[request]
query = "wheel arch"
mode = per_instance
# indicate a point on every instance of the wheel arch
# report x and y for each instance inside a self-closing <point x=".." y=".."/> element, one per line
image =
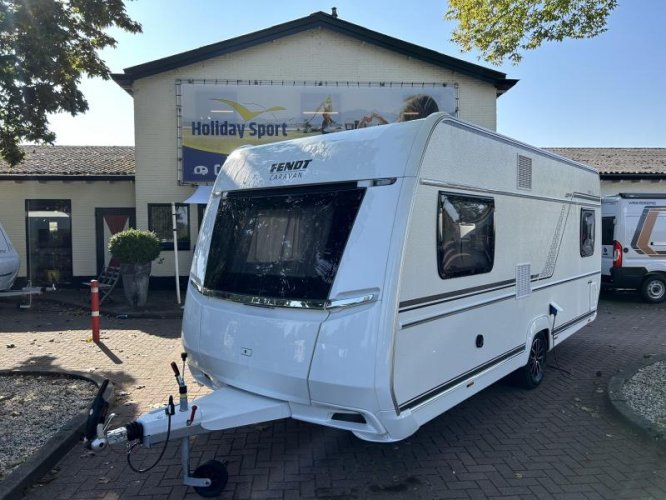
<point x="540" y="324"/>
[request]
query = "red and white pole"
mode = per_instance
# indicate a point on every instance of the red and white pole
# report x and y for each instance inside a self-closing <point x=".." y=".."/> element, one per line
<point x="94" y="309"/>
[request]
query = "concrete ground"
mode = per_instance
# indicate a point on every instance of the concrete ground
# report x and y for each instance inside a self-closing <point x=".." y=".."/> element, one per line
<point x="561" y="440"/>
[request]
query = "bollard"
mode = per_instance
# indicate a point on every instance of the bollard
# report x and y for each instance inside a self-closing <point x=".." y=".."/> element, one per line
<point x="94" y="309"/>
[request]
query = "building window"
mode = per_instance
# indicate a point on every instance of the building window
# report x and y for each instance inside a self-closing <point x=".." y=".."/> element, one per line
<point x="586" y="232"/>
<point x="466" y="235"/>
<point x="159" y="221"/>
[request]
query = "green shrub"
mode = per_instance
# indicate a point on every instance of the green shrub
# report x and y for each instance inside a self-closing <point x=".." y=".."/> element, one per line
<point x="134" y="246"/>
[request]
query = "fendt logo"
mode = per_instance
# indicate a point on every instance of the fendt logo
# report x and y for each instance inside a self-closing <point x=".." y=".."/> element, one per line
<point x="288" y="170"/>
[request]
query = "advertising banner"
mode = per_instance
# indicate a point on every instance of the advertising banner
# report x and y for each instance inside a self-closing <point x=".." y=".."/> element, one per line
<point x="216" y="118"/>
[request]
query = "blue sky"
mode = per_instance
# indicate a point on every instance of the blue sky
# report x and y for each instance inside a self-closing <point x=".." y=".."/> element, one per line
<point x="609" y="91"/>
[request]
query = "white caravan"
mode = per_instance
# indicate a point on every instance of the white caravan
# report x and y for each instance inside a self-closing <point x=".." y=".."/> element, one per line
<point x="634" y="243"/>
<point x="9" y="261"/>
<point x="370" y="280"/>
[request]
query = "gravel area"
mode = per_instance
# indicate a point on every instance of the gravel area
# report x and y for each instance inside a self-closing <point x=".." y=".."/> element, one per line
<point x="646" y="393"/>
<point x="32" y="410"/>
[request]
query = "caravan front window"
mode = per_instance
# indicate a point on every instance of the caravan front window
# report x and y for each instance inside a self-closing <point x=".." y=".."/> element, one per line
<point x="466" y="235"/>
<point x="283" y="244"/>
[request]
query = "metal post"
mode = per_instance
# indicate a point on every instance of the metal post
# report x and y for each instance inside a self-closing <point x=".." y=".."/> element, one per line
<point x="94" y="309"/>
<point x="175" y="249"/>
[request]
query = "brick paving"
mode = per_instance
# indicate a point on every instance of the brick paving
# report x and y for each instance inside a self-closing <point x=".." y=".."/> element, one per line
<point x="559" y="441"/>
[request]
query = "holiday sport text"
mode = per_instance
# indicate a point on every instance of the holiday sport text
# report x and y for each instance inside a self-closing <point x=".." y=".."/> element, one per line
<point x="253" y="129"/>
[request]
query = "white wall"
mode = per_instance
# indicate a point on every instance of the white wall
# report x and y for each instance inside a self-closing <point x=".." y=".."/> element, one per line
<point x="640" y="186"/>
<point x="85" y="196"/>
<point x="313" y="55"/>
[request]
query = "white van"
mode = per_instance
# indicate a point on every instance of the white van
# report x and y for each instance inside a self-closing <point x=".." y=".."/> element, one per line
<point x="9" y="261"/>
<point x="371" y="280"/>
<point x="634" y="243"/>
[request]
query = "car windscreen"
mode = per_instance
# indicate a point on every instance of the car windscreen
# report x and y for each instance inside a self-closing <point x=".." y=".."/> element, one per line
<point x="283" y="244"/>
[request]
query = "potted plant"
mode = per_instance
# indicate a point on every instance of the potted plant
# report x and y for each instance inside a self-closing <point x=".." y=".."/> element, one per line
<point x="135" y="249"/>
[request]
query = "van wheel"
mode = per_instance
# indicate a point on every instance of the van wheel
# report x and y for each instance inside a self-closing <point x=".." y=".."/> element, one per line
<point x="531" y="375"/>
<point x="654" y="289"/>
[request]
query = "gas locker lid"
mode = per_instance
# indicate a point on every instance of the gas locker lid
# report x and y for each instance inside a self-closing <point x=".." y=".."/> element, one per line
<point x="273" y="258"/>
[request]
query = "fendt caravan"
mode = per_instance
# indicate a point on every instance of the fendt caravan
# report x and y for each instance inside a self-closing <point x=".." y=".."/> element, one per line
<point x="370" y="280"/>
<point x="634" y="243"/>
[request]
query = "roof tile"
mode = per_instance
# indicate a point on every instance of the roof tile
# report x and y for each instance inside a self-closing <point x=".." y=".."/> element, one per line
<point x="75" y="161"/>
<point x="618" y="160"/>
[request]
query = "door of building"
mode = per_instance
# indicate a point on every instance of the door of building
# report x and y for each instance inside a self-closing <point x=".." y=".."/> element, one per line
<point x="49" y="241"/>
<point x="109" y="221"/>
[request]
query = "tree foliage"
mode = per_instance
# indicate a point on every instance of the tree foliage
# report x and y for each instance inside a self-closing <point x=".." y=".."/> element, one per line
<point x="46" y="46"/>
<point x="501" y="29"/>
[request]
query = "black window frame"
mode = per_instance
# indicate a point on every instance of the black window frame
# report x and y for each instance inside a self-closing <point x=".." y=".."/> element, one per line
<point x="587" y="232"/>
<point x="167" y="243"/>
<point x="475" y="267"/>
<point x="277" y="287"/>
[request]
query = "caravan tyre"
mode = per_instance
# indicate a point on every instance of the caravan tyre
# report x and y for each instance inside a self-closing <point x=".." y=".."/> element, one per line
<point x="654" y="289"/>
<point x="532" y="373"/>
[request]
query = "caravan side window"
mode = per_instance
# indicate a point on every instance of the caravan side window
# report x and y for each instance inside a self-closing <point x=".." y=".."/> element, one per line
<point x="465" y="235"/>
<point x="586" y="232"/>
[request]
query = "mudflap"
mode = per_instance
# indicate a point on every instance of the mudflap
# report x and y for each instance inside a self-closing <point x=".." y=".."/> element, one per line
<point x="224" y="408"/>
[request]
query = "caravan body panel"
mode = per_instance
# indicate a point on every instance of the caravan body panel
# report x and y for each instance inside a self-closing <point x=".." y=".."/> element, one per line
<point x="471" y="323"/>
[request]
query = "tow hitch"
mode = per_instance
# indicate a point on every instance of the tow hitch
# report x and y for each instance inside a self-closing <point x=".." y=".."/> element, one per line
<point x="208" y="480"/>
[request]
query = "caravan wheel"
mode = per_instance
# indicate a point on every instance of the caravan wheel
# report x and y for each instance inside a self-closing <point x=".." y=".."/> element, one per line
<point x="218" y="475"/>
<point x="654" y="289"/>
<point x="532" y="373"/>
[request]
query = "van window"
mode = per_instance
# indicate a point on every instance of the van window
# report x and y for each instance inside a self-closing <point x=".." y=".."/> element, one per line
<point x="607" y="230"/>
<point x="466" y="235"/>
<point x="281" y="244"/>
<point x="586" y="232"/>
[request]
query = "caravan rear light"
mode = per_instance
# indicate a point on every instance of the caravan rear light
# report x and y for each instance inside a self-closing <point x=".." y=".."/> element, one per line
<point x="617" y="254"/>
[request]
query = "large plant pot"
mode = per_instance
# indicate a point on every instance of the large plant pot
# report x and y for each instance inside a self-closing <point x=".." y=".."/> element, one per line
<point x="136" y="278"/>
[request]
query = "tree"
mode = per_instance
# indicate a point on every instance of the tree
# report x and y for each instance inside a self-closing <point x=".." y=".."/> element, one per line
<point x="502" y="28"/>
<point x="46" y="46"/>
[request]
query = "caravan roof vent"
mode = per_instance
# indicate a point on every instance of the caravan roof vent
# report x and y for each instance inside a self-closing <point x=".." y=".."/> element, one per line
<point x="524" y="172"/>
